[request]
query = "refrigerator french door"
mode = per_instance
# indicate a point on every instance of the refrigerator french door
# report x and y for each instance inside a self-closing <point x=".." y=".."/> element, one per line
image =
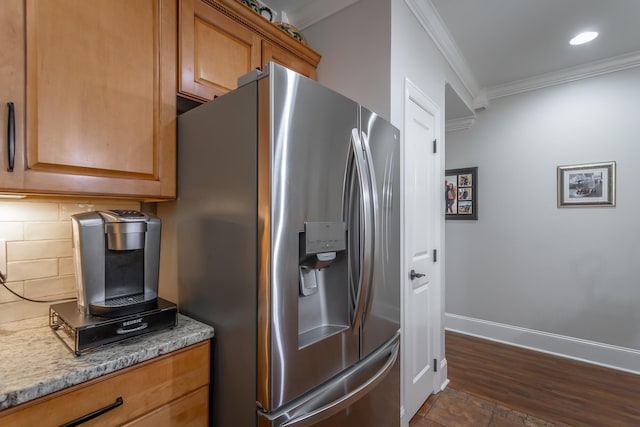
<point x="288" y="244"/>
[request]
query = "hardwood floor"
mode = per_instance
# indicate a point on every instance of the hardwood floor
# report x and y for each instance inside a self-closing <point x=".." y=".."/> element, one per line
<point x="493" y="384"/>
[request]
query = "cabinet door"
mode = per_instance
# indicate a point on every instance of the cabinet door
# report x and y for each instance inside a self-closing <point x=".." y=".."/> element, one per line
<point x="191" y="410"/>
<point x="99" y="114"/>
<point x="285" y="58"/>
<point x="11" y="90"/>
<point x="159" y="384"/>
<point x="214" y="51"/>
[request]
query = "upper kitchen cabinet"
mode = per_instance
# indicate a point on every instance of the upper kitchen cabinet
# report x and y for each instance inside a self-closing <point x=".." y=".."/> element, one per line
<point x="272" y="52"/>
<point x="93" y="88"/>
<point x="220" y="40"/>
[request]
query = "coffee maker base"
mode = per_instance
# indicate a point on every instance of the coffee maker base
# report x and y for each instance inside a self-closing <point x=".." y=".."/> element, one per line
<point x="82" y="333"/>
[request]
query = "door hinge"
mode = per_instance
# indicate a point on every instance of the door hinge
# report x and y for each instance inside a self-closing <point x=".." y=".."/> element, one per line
<point x="435" y="146"/>
<point x="435" y="365"/>
<point x="435" y="255"/>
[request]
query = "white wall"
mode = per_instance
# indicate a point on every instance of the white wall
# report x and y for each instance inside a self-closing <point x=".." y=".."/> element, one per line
<point x="527" y="263"/>
<point x="415" y="57"/>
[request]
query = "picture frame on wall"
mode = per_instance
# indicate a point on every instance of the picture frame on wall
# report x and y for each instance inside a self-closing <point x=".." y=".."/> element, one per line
<point x="587" y="185"/>
<point x="461" y="193"/>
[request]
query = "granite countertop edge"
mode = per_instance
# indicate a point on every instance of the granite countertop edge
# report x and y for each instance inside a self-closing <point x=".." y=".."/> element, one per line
<point x="40" y="364"/>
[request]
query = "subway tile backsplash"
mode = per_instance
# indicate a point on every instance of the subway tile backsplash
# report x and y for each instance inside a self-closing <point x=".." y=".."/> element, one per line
<point x="36" y="235"/>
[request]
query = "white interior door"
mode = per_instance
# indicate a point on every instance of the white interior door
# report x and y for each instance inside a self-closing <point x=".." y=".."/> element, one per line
<point x="421" y="290"/>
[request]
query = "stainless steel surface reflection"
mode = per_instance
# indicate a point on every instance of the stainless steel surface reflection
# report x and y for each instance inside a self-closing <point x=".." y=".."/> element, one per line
<point x="310" y="131"/>
<point x="288" y="243"/>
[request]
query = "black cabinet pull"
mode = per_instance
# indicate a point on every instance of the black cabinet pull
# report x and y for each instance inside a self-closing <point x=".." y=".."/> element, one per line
<point x="94" y="414"/>
<point x="11" y="136"/>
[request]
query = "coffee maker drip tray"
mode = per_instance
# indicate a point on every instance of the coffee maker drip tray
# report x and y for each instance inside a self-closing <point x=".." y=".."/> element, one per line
<point x="118" y="307"/>
<point x="82" y="333"/>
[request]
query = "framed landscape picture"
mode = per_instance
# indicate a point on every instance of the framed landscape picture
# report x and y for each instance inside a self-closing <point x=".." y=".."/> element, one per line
<point x="587" y="185"/>
<point x="461" y="193"/>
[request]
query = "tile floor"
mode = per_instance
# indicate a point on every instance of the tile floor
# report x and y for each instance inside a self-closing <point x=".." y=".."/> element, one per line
<point x="453" y="408"/>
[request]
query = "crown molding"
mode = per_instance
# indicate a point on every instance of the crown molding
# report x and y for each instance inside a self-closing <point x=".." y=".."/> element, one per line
<point x="431" y="21"/>
<point x="462" y="123"/>
<point x="593" y="69"/>
<point x="316" y="11"/>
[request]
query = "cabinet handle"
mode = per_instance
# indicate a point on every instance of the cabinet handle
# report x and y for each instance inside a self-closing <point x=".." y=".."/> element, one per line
<point x="11" y="136"/>
<point x="121" y="331"/>
<point x="83" y="419"/>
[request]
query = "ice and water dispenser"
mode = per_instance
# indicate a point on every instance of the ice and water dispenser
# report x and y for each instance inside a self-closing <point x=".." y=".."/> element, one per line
<point x="323" y="279"/>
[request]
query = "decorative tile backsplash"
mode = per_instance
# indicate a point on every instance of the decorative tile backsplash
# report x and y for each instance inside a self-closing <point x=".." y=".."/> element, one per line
<point x="35" y="240"/>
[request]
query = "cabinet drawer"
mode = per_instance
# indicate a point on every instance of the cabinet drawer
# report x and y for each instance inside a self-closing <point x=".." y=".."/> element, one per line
<point x="143" y="388"/>
<point x="188" y="411"/>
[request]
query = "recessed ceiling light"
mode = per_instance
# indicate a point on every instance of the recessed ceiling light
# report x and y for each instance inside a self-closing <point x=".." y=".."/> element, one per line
<point x="583" y="38"/>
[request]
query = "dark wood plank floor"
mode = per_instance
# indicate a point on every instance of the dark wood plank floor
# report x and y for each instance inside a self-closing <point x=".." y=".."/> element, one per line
<point x="542" y="385"/>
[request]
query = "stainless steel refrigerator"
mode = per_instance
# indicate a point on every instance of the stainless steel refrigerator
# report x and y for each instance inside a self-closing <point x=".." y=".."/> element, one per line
<point x="288" y="223"/>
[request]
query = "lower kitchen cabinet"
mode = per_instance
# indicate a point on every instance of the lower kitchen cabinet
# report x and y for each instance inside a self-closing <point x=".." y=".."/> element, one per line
<point x="188" y="411"/>
<point x="170" y="390"/>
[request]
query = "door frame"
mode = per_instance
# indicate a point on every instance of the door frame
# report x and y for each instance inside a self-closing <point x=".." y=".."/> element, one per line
<point x="412" y="93"/>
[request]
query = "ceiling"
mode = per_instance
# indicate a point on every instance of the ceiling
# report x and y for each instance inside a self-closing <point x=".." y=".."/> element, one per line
<point x="501" y="44"/>
<point x="505" y="41"/>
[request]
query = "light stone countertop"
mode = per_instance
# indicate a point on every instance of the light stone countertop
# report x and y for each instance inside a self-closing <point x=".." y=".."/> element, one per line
<point x="34" y="361"/>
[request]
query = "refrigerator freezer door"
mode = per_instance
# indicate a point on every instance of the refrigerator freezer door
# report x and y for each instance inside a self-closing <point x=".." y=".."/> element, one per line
<point x="217" y="243"/>
<point x="367" y="394"/>
<point x="382" y="313"/>
<point x="304" y="329"/>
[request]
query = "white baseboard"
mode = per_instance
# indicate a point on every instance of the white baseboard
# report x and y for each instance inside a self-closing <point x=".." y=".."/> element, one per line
<point x="443" y="364"/>
<point x="610" y="356"/>
<point x="442" y="375"/>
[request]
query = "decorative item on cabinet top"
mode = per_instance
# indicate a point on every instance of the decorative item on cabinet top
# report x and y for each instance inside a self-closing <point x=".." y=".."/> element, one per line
<point x="263" y="11"/>
<point x="267" y="14"/>
<point x="251" y="4"/>
<point x="292" y="31"/>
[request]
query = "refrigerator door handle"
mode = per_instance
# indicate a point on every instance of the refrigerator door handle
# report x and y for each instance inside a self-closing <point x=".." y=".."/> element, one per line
<point x="374" y="217"/>
<point x="325" y="411"/>
<point x="366" y="267"/>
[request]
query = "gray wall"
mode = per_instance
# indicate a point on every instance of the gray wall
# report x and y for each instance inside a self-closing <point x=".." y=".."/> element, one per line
<point x="527" y="263"/>
<point x="355" y="48"/>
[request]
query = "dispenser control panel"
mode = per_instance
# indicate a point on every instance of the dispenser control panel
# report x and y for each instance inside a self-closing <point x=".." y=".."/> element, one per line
<point x="324" y="237"/>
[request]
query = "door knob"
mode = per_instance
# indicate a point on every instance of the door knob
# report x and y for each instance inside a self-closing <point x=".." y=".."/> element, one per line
<point x="414" y="275"/>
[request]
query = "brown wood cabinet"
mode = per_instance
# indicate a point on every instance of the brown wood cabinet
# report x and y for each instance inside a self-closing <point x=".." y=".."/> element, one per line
<point x="93" y="86"/>
<point x="220" y="40"/>
<point x="170" y="390"/>
<point x="275" y="53"/>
